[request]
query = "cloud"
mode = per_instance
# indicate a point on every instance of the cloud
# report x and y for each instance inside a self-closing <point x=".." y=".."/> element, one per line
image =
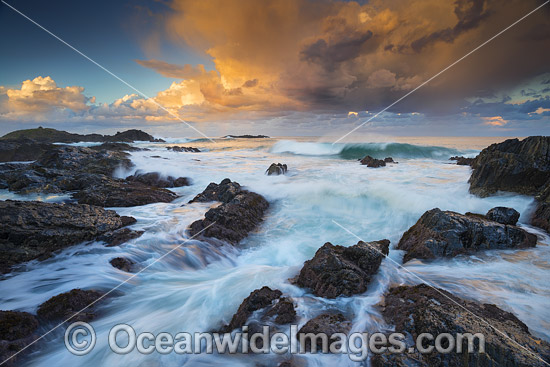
<point x="494" y="121"/>
<point x="168" y="70"/>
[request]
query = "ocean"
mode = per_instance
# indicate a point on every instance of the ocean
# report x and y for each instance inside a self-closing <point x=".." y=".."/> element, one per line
<point x="199" y="286"/>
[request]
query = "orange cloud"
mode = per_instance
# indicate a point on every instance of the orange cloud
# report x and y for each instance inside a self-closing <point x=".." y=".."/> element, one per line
<point x="494" y="121"/>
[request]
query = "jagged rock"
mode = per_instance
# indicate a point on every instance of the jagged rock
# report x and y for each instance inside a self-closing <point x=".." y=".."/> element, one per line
<point x="372" y="162"/>
<point x="446" y="234"/>
<point x="503" y="215"/>
<point x="65" y="305"/>
<point x="258" y="299"/>
<point x="122" y="263"/>
<point x="513" y="165"/>
<point x="156" y="180"/>
<point x="342" y="271"/>
<point x="283" y="311"/>
<point x="33" y="230"/>
<point x="124" y="147"/>
<point x="16" y="332"/>
<point x="389" y="160"/>
<point x="241" y="211"/>
<point x="22" y="150"/>
<point x="327" y="324"/>
<point x="176" y="148"/>
<point x="462" y="161"/>
<point x="118" y="237"/>
<point x="418" y="309"/>
<point x="276" y="169"/>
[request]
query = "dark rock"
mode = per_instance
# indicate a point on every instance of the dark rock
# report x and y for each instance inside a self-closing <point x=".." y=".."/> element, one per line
<point x="118" y="237"/>
<point x="47" y="135"/>
<point x="276" y="169"/>
<point x="342" y="271"/>
<point x="16" y="332"/>
<point x="241" y="211"/>
<point x="124" y="147"/>
<point x="389" y="160"/>
<point x="503" y="215"/>
<point x="122" y="263"/>
<point x="417" y="309"/>
<point x="247" y="136"/>
<point x="372" y="162"/>
<point x="154" y="179"/>
<point x="131" y="136"/>
<point x="446" y="234"/>
<point x="176" y="148"/>
<point x="327" y="324"/>
<point x="513" y="165"/>
<point x="67" y="304"/>
<point x="462" y="161"/>
<point x="283" y="311"/>
<point x="22" y="150"/>
<point x="33" y="230"/>
<point x="258" y="299"/>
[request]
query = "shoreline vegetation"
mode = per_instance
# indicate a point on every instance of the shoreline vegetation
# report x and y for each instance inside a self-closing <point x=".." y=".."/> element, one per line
<point x="33" y="230"/>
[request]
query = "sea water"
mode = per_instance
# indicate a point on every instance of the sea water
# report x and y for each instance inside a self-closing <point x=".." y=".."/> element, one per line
<point x="199" y="286"/>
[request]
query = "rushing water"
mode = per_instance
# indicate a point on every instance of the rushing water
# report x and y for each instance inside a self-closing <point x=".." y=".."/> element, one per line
<point x="198" y="287"/>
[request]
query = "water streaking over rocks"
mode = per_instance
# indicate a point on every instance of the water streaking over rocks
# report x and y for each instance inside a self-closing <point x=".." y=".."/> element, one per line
<point x="200" y="286"/>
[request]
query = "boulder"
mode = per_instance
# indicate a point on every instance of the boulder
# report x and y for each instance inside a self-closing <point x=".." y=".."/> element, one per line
<point x="17" y="331"/>
<point x="176" y="148"/>
<point x="282" y="311"/>
<point x="240" y="212"/>
<point x="503" y="215"/>
<point x="155" y="179"/>
<point x="462" y="161"/>
<point x="66" y="305"/>
<point x="446" y="234"/>
<point x="342" y="271"/>
<point x="328" y="324"/>
<point x="122" y="263"/>
<point x="389" y="160"/>
<point x="372" y="162"/>
<point x="118" y="237"/>
<point x="513" y="165"/>
<point x="34" y="230"/>
<point x="276" y="169"/>
<point x="258" y="299"/>
<point x="418" y="309"/>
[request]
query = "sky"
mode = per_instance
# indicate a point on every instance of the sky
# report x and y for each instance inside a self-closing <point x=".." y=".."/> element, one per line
<point x="277" y="67"/>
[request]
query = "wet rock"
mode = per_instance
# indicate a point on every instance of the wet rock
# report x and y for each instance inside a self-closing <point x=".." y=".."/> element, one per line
<point x="131" y="136"/>
<point x="155" y="179"/>
<point x="283" y="311"/>
<point x="503" y="215"/>
<point x="276" y="169"/>
<point x="124" y="147"/>
<point x="118" y="237"/>
<point x="418" y="309"/>
<point x="258" y="299"/>
<point x="327" y="324"/>
<point x="372" y="162"/>
<point x="16" y="332"/>
<point x="240" y="212"/>
<point x="33" y="230"/>
<point x="462" y="161"/>
<point x="513" y="165"/>
<point x="389" y="160"/>
<point x="66" y="305"/>
<point x="342" y="271"/>
<point x="176" y="148"/>
<point x="22" y="150"/>
<point x="122" y="263"/>
<point x="446" y="234"/>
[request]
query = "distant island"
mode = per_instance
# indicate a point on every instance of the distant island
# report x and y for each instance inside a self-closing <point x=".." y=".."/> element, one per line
<point x="48" y="135"/>
<point x="247" y="136"/>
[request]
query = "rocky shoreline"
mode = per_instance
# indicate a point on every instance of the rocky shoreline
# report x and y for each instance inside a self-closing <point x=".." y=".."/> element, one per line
<point x="33" y="230"/>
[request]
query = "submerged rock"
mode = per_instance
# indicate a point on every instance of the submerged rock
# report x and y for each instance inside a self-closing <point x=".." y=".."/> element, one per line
<point x="33" y="230"/>
<point x="462" y="161"/>
<point x="17" y="331"/>
<point x="176" y="148"/>
<point x="342" y="271"/>
<point x="419" y="309"/>
<point x="372" y="162"/>
<point x="446" y="234"/>
<point x="503" y="215"/>
<point x="276" y="169"/>
<point x="240" y="212"/>
<point x="66" y="305"/>
<point x="155" y="179"/>
<point x="327" y="324"/>
<point x="122" y="263"/>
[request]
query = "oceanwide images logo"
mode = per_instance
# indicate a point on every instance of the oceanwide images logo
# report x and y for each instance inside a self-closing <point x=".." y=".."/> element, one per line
<point x="80" y="339"/>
